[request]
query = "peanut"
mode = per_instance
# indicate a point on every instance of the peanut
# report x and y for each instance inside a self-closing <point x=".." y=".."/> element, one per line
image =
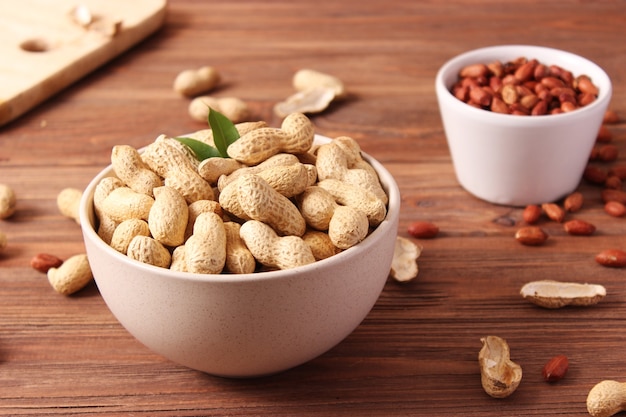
<point x="606" y="398"/>
<point x="211" y="169"/>
<point x="613" y="258"/>
<point x="500" y="376"/>
<point x="233" y="108"/>
<point x="126" y="231"/>
<point x="531" y="213"/>
<point x="130" y="169"/>
<point x="239" y="259"/>
<point x="71" y="276"/>
<point x="173" y="161"/>
<point x="347" y="227"/>
<point x="272" y="250"/>
<point x="42" y="262"/>
<point x="198" y="207"/>
<point x="7" y="201"/>
<point x="332" y="162"/>
<point x="423" y="230"/>
<point x="555" y="369"/>
<point x="531" y="236"/>
<point x="123" y="203"/>
<point x="168" y="216"/>
<point x="147" y="250"/>
<point x="192" y="82"/>
<point x="357" y="198"/>
<point x="68" y="202"/>
<point x="205" y="250"/>
<point x="295" y="136"/>
<point x="253" y="198"/>
<point x="281" y="159"/>
<point x="321" y="245"/>
<point x="555" y="294"/>
<point x="179" y="259"/>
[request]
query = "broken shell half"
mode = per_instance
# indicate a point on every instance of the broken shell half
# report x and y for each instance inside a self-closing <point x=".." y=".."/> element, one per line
<point x="313" y="100"/>
<point x="404" y="264"/>
<point x="499" y="376"/>
<point x="555" y="294"/>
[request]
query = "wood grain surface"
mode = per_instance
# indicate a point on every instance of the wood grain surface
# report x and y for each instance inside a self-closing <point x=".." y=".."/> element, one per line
<point x="416" y="352"/>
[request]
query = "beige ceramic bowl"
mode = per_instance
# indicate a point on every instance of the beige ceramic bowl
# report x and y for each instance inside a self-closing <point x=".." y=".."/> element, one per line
<point x="244" y="325"/>
<point x="520" y="160"/>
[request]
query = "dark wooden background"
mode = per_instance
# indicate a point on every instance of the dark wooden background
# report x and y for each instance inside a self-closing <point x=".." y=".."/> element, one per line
<point x="416" y="353"/>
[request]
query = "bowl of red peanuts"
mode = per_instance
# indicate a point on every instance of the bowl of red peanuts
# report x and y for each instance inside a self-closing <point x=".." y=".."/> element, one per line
<point x="520" y="120"/>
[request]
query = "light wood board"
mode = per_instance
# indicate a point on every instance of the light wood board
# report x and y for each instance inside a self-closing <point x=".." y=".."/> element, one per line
<point x="43" y="48"/>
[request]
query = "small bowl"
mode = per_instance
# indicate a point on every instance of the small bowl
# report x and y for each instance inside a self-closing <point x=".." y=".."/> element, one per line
<point x="520" y="160"/>
<point x="244" y="325"/>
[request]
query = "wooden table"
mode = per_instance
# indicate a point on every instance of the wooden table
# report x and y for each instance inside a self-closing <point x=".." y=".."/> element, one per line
<point x="416" y="353"/>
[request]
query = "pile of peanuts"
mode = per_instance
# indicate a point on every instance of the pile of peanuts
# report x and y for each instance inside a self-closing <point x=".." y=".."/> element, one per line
<point x="279" y="202"/>
<point x="523" y="87"/>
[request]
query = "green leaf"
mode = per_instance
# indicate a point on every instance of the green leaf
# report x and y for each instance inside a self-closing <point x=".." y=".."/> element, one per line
<point x="200" y="149"/>
<point x="224" y="131"/>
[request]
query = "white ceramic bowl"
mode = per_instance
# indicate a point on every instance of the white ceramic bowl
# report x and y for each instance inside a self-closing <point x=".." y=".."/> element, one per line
<point x="520" y="160"/>
<point x="244" y="325"/>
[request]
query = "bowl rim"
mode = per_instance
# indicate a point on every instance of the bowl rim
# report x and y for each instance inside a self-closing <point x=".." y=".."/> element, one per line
<point x="393" y="211"/>
<point x="456" y="62"/>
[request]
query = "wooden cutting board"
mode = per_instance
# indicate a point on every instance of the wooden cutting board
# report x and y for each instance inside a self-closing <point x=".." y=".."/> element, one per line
<point x="46" y="45"/>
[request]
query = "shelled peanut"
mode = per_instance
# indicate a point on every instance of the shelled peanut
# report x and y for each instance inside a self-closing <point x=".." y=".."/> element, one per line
<point x="523" y="87"/>
<point x="266" y="205"/>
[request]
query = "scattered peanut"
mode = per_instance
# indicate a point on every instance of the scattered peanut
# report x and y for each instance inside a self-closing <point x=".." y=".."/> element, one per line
<point x="555" y="294"/>
<point x="71" y="276"/>
<point x="500" y="376"/>
<point x="193" y="82"/>
<point x="68" y="202"/>
<point x="554" y="212"/>
<point x="531" y="214"/>
<point x="42" y="262"/>
<point x="7" y="201"/>
<point x="613" y="258"/>
<point x="232" y="107"/>
<point x="404" y="266"/>
<point x="579" y="227"/>
<point x="531" y="236"/>
<point x="573" y="202"/>
<point x="606" y="398"/>
<point x="555" y="369"/>
<point x="615" y="208"/>
<point x="423" y="229"/>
